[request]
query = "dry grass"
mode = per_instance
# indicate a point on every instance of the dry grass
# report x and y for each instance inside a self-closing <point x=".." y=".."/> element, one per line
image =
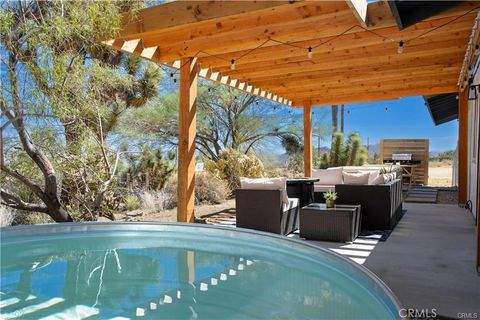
<point x="7" y="215"/>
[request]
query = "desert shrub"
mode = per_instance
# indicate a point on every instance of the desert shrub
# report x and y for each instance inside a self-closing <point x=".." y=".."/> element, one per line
<point x="231" y="165"/>
<point x="7" y="215"/>
<point x="151" y="200"/>
<point x="277" y="172"/>
<point x="209" y="189"/>
<point x="132" y="202"/>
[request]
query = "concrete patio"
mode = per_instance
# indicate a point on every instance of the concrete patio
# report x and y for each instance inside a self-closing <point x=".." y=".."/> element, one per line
<point x="428" y="260"/>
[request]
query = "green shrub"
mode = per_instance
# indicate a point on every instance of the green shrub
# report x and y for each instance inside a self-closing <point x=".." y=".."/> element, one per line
<point x="132" y="202"/>
<point x="231" y="165"/>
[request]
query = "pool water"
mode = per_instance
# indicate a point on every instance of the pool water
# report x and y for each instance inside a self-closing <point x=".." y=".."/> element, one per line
<point x="166" y="271"/>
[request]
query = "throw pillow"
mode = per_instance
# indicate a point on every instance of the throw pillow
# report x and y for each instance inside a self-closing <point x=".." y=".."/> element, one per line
<point x="328" y="176"/>
<point x="355" y="178"/>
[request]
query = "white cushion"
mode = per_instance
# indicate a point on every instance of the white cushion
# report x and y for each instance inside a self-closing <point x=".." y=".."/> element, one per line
<point x="328" y="176"/>
<point x="372" y="176"/>
<point x="356" y="178"/>
<point x="323" y="187"/>
<point x="266" y="184"/>
<point x="379" y="179"/>
<point x="292" y="203"/>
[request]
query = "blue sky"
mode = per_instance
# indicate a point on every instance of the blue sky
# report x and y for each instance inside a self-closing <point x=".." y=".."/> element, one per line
<point x="404" y="118"/>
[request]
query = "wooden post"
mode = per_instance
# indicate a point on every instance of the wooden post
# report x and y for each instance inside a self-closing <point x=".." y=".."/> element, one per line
<point x="462" y="146"/>
<point x="307" y="138"/>
<point x="187" y="109"/>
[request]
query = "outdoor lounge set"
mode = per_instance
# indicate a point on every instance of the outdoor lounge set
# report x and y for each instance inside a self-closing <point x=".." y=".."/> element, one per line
<point x="367" y="200"/>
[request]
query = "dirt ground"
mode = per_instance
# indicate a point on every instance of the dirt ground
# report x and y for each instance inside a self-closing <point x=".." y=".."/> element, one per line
<point x="171" y="215"/>
<point x="440" y="174"/>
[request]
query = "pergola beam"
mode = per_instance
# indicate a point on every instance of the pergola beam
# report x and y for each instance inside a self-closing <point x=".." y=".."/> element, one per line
<point x="422" y="80"/>
<point x="152" y="20"/>
<point x="358" y="96"/>
<point x="343" y="77"/>
<point x="187" y="130"/>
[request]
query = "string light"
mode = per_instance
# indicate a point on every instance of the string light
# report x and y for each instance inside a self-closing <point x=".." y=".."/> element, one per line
<point x="400" y="46"/>
<point x="232" y="65"/>
<point x="310" y="53"/>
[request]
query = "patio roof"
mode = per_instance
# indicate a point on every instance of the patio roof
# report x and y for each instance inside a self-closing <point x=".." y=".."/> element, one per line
<point x="354" y="47"/>
<point x="442" y="107"/>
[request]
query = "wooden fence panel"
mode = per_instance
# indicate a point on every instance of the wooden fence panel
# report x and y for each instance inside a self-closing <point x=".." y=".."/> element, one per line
<point x="419" y="148"/>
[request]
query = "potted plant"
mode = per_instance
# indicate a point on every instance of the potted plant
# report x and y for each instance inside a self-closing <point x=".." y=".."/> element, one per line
<point x="330" y="198"/>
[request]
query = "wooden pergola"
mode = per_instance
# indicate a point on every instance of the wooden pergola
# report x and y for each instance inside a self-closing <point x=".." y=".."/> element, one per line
<point x="302" y="54"/>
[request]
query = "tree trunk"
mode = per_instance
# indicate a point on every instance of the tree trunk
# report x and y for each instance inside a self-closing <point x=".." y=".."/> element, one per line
<point x="342" y="118"/>
<point x="70" y="188"/>
<point x="334" y="119"/>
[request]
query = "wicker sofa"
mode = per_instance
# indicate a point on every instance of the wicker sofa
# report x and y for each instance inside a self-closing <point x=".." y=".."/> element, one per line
<point x="265" y="210"/>
<point x="381" y="204"/>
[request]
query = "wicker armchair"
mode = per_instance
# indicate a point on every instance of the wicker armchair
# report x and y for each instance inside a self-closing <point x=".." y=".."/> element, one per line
<point x="264" y="210"/>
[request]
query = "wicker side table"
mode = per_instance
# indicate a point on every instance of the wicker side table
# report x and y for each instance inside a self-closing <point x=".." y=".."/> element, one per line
<point x="341" y="223"/>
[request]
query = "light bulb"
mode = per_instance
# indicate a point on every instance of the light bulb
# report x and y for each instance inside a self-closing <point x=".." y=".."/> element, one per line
<point x="400" y="46"/>
<point x="232" y="65"/>
<point x="310" y="53"/>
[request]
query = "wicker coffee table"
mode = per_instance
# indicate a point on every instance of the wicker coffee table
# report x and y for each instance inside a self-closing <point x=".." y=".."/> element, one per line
<point x="341" y="223"/>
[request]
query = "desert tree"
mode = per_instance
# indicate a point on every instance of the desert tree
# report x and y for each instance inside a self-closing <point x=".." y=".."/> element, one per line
<point x="226" y="119"/>
<point x="62" y="94"/>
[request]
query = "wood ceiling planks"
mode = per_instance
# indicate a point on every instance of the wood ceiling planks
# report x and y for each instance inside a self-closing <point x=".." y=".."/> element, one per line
<point x="364" y="63"/>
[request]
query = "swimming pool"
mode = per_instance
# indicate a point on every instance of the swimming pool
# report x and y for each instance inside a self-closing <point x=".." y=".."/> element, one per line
<point x="163" y="271"/>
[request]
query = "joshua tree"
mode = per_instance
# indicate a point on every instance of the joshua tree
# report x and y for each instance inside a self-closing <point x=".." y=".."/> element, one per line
<point x="350" y="152"/>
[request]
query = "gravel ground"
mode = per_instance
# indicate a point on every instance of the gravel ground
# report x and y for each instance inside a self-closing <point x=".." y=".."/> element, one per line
<point x="447" y="197"/>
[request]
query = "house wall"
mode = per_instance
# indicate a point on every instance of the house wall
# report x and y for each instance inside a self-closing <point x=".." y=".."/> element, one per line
<point x="473" y="147"/>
